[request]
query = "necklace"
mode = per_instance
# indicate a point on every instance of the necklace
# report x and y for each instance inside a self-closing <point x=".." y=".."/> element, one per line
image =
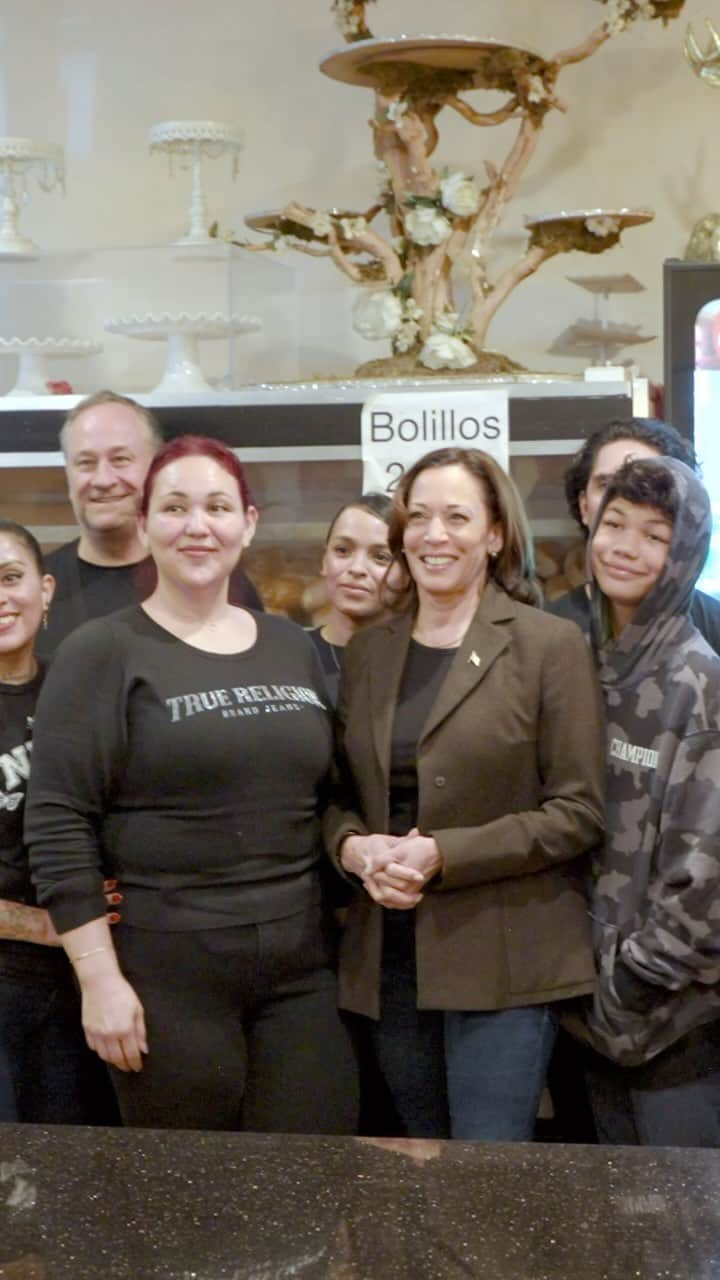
<point x="332" y="647"/>
<point x="440" y="644"/>
<point x="334" y="652"/>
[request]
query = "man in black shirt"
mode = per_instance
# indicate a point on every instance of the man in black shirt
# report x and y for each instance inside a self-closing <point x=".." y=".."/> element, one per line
<point x="585" y="482"/>
<point x="108" y="442"/>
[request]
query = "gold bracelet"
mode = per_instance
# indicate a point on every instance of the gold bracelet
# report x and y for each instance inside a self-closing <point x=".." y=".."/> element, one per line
<point x="84" y="954"/>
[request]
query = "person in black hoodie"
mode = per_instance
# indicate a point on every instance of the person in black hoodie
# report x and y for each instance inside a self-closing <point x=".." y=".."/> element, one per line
<point x="655" y="1015"/>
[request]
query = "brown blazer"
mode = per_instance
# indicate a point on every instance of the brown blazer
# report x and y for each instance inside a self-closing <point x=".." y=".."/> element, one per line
<point x="510" y="766"/>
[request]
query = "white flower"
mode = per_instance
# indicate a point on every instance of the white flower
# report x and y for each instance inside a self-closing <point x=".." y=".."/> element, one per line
<point x="426" y="225"/>
<point x="347" y="17"/>
<point x="352" y="227"/>
<point x="536" y="89"/>
<point x="398" y="243"/>
<point x="406" y="336"/>
<point x="396" y="110"/>
<point x="377" y="315"/>
<point x="460" y="195"/>
<point x="412" y="310"/>
<point x="620" y="14"/>
<point x="444" y="351"/>
<point x="320" y="224"/>
<point x="602" y="226"/>
<point x="447" y="322"/>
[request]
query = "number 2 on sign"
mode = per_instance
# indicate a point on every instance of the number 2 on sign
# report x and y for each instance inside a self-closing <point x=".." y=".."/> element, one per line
<point x="395" y="471"/>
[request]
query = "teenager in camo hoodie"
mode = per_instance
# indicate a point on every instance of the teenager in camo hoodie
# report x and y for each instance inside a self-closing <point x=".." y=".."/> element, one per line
<point x="656" y="899"/>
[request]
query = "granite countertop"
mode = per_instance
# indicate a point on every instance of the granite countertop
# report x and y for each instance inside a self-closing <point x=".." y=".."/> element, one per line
<point x="80" y="1204"/>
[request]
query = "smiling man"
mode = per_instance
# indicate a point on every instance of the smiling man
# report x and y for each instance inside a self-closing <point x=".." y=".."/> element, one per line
<point x="108" y="442"/>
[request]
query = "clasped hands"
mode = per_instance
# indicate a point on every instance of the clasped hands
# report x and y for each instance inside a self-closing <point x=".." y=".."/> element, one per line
<point x="394" y="869"/>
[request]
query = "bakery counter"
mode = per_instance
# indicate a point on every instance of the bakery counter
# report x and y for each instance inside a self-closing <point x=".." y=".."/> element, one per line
<point x="85" y="1204"/>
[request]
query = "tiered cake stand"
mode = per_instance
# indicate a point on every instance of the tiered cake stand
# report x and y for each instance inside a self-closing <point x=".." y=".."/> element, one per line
<point x="601" y="337"/>
<point x="194" y="141"/>
<point x="19" y="158"/>
<point x="183" y="332"/>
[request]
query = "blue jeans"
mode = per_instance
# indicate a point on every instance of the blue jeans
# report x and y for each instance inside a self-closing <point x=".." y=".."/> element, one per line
<point x="42" y="1054"/>
<point x="496" y="1067"/>
<point x="671" y="1101"/>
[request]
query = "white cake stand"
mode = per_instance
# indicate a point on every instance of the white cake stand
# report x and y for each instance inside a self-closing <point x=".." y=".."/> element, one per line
<point x="33" y="353"/>
<point x="194" y="141"/>
<point x="183" y="332"/>
<point x="18" y="158"/>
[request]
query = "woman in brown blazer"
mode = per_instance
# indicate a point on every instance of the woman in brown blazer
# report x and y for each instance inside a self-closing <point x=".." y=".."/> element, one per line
<point x="470" y="763"/>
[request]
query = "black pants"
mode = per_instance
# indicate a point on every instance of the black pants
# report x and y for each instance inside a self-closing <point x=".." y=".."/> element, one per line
<point x="671" y="1101"/>
<point x="243" y="1030"/>
<point x="409" y="1042"/>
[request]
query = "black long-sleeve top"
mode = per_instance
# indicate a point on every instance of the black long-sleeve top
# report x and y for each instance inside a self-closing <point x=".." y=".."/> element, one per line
<point x="193" y="777"/>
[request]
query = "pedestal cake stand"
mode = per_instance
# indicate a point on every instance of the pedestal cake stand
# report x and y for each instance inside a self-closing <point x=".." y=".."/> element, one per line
<point x="183" y="332"/>
<point x="20" y="157"/>
<point x="32" y="374"/>
<point x="194" y="141"/>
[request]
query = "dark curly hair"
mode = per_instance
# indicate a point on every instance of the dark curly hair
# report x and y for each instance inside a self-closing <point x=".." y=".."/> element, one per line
<point x="643" y="482"/>
<point x="650" y="431"/>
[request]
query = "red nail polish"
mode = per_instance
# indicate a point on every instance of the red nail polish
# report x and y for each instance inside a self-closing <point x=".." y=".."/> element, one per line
<point x="113" y="917"/>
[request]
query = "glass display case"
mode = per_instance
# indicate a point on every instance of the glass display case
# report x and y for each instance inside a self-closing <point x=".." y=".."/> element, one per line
<point x="301" y="446"/>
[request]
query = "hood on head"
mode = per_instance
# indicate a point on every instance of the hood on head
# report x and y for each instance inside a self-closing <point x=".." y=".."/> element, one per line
<point x="671" y="595"/>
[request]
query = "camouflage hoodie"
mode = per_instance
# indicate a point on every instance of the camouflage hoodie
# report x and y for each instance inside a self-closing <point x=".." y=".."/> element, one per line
<point x="656" y="898"/>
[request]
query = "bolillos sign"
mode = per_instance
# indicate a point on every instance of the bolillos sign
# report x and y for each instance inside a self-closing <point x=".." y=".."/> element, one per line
<point x="400" y="427"/>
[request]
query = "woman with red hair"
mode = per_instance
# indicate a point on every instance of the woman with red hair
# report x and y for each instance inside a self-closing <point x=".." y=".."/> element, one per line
<point x="185" y="742"/>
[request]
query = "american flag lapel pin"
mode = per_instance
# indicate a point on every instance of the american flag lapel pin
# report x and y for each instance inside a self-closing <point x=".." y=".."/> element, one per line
<point x="474" y="658"/>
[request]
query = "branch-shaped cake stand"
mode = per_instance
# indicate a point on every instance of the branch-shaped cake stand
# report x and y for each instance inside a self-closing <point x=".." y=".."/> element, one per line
<point x="32" y="373"/>
<point x="440" y="223"/>
<point x="183" y="332"/>
<point x="19" y="159"/>
<point x="194" y="141"/>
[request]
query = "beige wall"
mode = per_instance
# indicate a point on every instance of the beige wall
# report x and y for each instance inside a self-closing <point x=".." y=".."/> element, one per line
<point x="641" y="130"/>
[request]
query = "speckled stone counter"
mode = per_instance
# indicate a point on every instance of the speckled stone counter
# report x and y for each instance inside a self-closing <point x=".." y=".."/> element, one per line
<point x="81" y="1204"/>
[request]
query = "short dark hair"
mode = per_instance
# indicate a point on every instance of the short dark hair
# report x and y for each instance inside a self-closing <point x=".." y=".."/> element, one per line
<point x="642" y="482"/>
<point x="514" y="566"/>
<point x="189" y="446"/>
<point x="376" y="504"/>
<point x="28" y="540"/>
<point x="650" y="431"/>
